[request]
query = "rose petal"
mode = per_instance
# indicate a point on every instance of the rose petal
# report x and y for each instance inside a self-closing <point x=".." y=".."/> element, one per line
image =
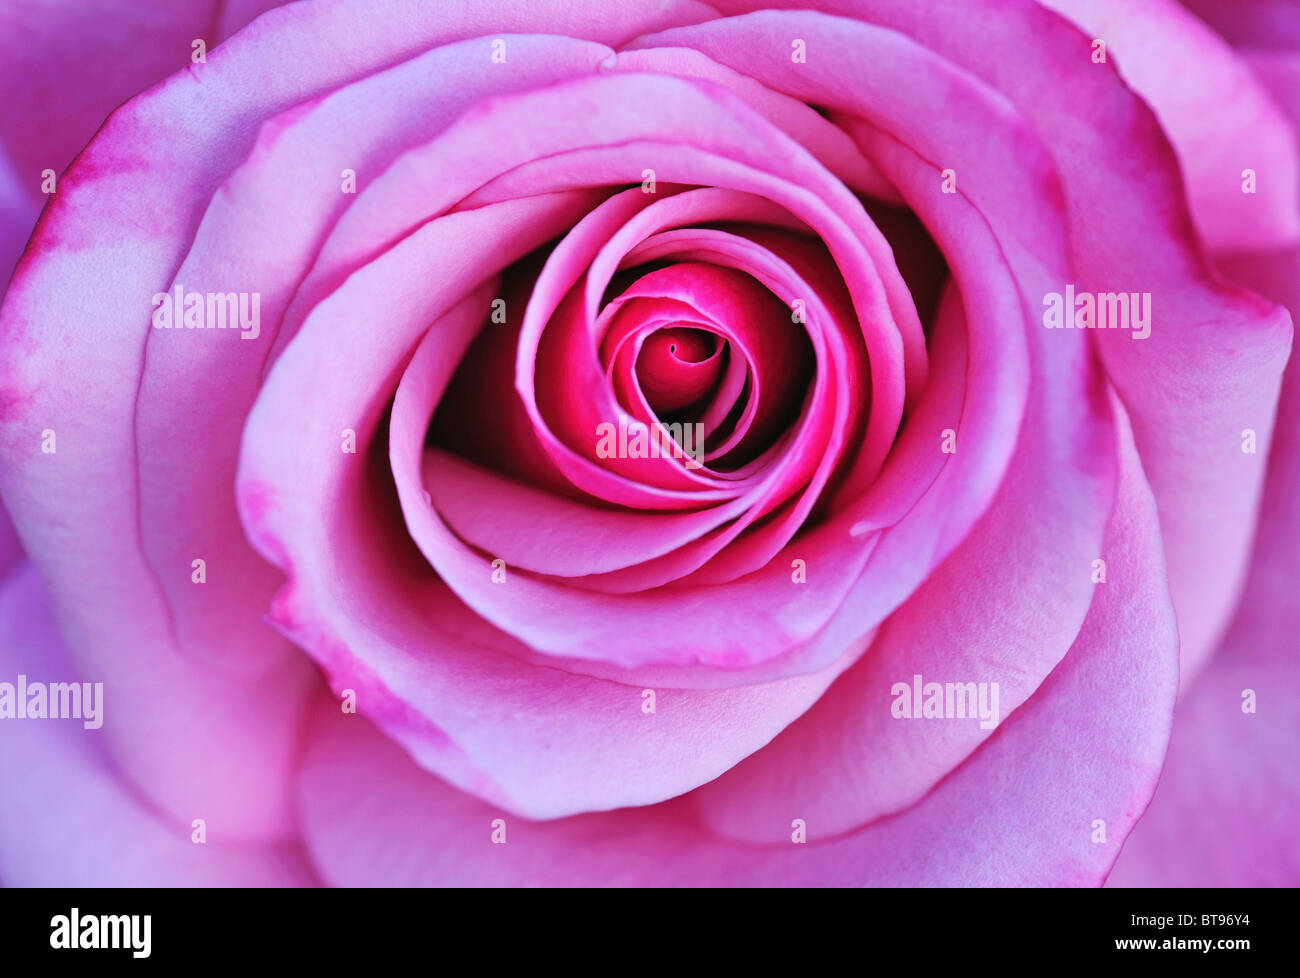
<point x="1021" y="811"/>
<point x="69" y="63"/>
<point x="1219" y="118"/>
<point x="18" y="209"/>
<point x="1226" y="811"/>
<point x="67" y="820"/>
<point x="1252" y="23"/>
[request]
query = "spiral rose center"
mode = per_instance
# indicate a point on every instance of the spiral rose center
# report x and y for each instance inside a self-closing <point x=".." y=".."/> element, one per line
<point x="679" y="367"/>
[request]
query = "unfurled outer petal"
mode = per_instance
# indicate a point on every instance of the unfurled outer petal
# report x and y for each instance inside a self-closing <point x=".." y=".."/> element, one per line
<point x="1227" y="811"/>
<point x="1219" y="118"/>
<point x="67" y="818"/>
<point x="66" y="64"/>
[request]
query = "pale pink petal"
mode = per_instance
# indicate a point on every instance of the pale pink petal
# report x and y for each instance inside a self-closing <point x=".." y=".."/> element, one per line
<point x="1227" y="811"/>
<point x="1219" y="118"/>
<point x="66" y="817"/>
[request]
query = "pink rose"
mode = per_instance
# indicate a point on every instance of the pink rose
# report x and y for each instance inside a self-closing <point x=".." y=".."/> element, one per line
<point x="666" y="444"/>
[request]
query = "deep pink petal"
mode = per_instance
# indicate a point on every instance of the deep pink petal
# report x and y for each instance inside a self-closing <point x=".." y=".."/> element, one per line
<point x="1263" y="24"/>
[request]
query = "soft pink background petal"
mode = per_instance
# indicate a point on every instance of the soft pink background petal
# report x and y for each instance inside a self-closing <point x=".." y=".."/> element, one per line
<point x="67" y="818"/>
<point x="1220" y="119"/>
<point x="66" y="64"/>
<point x="18" y="210"/>
<point x="1227" y="811"/>
<point x="1252" y="23"/>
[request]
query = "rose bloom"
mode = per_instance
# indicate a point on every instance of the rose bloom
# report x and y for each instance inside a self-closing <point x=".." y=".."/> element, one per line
<point x="660" y="443"/>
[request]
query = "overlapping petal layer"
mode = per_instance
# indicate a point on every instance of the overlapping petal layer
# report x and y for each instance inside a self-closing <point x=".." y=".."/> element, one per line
<point x="898" y="471"/>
